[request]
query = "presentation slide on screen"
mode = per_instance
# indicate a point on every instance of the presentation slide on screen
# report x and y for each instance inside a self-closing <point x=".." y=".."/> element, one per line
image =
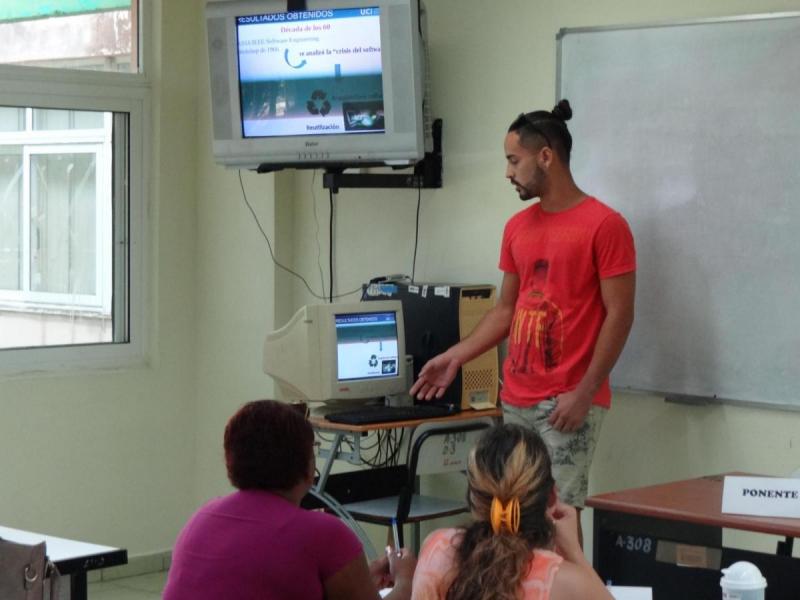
<point x="366" y="346"/>
<point x="313" y="72"/>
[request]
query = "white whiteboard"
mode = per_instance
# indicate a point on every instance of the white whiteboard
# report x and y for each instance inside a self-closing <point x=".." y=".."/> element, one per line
<point x="692" y="131"/>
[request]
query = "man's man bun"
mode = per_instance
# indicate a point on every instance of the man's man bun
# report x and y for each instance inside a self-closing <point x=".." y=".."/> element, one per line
<point x="562" y="110"/>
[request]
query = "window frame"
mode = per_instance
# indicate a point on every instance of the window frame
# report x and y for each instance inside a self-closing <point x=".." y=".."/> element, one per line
<point x="126" y="93"/>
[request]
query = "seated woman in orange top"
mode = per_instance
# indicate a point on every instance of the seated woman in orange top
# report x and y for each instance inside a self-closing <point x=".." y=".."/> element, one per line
<point x="523" y="544"/>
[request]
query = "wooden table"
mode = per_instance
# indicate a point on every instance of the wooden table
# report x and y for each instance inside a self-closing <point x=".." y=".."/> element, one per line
<point x="464" y="415"/>
<point x="353" y="433"/>
<point x="669" y="536"/>
<point x="73" y="558"/>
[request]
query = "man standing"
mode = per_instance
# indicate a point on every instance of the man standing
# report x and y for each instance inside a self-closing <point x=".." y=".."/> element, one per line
<point x="566" y="303"/>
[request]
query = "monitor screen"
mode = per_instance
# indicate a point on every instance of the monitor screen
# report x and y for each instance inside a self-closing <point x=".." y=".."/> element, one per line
<point x="331" y="353"/>
<point x="316" y="72"/>
<point x="366" y="345"/>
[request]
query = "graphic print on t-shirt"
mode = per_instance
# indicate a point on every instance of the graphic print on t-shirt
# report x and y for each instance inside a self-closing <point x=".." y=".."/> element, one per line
<point x="536" y="339"/>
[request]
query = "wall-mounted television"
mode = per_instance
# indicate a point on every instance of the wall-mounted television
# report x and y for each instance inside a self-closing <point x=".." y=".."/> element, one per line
<point x="339" y="83"/>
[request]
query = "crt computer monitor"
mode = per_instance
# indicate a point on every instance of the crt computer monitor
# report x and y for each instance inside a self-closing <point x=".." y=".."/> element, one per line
<point x="339" y="353"/>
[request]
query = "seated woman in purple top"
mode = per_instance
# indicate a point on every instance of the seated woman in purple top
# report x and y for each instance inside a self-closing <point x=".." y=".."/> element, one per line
<point x="257" y="543"/>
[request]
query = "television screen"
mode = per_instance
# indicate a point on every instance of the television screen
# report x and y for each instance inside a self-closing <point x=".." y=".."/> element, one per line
<point x="341" y="83"/>
<point x="366" y="345"/>
<point x="311" y="73"/>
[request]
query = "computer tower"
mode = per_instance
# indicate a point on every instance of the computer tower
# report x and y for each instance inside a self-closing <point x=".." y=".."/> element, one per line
<point x="436" y="316"/>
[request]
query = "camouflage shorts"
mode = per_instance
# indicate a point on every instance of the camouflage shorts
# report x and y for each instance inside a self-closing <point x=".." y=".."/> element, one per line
<point x="570" y="453"/>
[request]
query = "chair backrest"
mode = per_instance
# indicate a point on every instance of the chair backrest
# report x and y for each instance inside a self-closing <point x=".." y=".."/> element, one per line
<point x="438" y="447"/>
<point x="443" y="447"/>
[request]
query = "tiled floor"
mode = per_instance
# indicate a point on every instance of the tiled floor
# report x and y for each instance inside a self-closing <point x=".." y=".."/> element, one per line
<point x="142" y="587"/>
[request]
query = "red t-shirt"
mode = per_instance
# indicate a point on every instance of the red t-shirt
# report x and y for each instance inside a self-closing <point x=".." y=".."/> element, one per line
<point x="560" y="259"/>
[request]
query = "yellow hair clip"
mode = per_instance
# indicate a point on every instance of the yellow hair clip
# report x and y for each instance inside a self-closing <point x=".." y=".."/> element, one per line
<point x="507" y="515"/>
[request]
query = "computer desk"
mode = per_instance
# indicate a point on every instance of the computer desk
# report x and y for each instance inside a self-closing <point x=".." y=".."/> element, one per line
<point x="669" y="536"/>
<point x="73" y="558"/>
<point x="350" y="435"/>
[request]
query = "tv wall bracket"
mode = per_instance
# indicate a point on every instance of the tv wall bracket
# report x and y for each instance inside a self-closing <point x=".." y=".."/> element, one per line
<point x="427" y="172"/>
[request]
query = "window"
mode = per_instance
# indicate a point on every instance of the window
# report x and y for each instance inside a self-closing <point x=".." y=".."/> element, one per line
<point x="71" y="185"/>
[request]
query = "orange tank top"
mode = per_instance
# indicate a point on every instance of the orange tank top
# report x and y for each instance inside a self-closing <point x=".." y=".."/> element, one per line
<point x="436" y="569"/>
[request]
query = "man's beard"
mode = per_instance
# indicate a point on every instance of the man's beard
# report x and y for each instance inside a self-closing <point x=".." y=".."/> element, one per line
<point x="524" y="192"/>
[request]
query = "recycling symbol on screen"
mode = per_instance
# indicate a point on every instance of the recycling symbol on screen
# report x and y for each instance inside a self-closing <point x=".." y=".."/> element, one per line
<point x="318" y="104"/>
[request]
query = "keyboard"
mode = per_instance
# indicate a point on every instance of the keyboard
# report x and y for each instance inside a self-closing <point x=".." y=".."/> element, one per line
<point x="366" y="415"/>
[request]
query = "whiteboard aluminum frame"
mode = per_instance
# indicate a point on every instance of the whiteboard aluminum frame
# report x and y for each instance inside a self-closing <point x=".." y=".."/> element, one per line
<point x="690" y="400"/>
<point x="658" y="25"/>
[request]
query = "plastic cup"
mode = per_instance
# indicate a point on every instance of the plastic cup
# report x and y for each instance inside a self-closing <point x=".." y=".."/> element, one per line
<point x="742" y="581"/>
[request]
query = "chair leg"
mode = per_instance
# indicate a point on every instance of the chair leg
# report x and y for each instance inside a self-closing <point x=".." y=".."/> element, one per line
<point x="415" y="537"/>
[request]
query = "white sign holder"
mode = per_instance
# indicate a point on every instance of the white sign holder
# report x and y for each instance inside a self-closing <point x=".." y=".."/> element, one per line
<point x="761" y="496"/>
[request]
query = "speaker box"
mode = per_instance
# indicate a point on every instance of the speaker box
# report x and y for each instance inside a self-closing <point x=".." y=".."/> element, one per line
<point x="438" y="315"/>
<point x="218" y="61"/>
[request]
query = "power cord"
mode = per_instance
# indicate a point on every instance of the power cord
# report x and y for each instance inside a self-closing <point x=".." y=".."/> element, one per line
<point x="330" y="246"/>
<point x="330" y="297"/>
<point x="316" y="234"/>
<point x="416" y="232"/>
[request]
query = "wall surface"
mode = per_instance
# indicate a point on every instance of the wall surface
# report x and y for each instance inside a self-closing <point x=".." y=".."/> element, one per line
<point x="237" y="295"/>
<point x="107" y="456"/>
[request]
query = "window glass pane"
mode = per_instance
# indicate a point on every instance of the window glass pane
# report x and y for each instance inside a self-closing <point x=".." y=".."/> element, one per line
<point x="12" y="119"/>
<point x="64" y="210"/>
<point x="44" y="119"/>
<point x="63" y="223"/>
<point x="10" y="216"/>
<point x="17" y="10"/>
<point x="79" y="34"/>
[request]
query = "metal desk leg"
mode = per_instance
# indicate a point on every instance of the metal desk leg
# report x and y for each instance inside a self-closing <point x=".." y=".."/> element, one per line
<point x="77" y="586"/>
<point x="333" y="454"/>
<point x="318" y="491"/>
<point x="596" y="528"/>
<point x="785" y="547"/>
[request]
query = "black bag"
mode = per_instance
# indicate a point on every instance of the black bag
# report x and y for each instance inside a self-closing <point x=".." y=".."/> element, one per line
<point x="23" y="570"/>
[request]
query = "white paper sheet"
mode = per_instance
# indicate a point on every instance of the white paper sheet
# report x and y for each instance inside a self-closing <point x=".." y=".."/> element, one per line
<point x="630" y="593"/>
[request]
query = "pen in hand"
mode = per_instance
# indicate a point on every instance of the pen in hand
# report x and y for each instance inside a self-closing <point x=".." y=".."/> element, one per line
<point x="396" y="535"/>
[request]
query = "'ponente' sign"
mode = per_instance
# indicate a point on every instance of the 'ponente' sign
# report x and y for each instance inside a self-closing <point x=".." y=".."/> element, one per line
<point x="761" y="496"/>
